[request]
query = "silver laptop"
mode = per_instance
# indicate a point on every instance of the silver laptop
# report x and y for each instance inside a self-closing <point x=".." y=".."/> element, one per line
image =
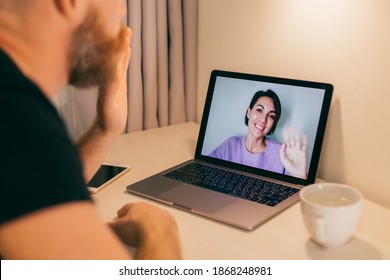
<point x="232" y="182"/>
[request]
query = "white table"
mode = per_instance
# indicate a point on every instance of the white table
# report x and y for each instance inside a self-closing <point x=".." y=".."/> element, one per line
<point x="283" y="237"/>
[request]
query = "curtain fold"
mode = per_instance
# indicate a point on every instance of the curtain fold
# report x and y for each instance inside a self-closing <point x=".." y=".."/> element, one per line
<point x="135" y="79"/>
<point x="162" y="71"/>
<point x="176" y="61"/>
<point x="190" y="8"/>
<point x="162" y="74"/>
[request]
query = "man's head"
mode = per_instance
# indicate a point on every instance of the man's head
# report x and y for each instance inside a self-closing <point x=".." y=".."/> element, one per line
<point x="59" y="41"/>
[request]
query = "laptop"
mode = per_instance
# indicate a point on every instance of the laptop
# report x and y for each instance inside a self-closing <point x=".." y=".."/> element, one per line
<point x="221" y="182"/>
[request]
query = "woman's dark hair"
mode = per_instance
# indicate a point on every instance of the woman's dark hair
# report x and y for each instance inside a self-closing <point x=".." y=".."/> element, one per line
<point x="278" y="108"/>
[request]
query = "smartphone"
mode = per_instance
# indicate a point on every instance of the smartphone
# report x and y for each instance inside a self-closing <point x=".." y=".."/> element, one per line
<point x="106" y="174"/>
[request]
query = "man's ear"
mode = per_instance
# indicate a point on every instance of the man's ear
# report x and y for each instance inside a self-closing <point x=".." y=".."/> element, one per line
<point x="72" y="11"/>
<point x="65" y="7"/>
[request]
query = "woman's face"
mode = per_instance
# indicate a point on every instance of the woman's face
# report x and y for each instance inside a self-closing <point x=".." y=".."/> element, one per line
<point x="261" y="117"/>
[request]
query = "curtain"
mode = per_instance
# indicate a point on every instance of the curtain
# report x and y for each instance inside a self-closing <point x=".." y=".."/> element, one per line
<point x="162" y="73"/>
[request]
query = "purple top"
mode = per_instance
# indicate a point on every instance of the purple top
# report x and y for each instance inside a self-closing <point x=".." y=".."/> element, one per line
<point x="233" y="149"/>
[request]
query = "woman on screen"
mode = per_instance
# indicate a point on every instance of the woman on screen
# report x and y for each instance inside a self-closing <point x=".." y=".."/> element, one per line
<point x="256" y="149"/>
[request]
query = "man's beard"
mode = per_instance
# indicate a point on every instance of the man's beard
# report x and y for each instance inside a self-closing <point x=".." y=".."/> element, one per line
<point x="92" y="53"/>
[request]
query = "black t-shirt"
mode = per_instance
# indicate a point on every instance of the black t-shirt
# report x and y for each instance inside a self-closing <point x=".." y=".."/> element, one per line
<point x="39" y="165"/>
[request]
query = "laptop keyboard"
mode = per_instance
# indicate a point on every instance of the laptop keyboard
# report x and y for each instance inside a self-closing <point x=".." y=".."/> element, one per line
<point x="246" y="187"/>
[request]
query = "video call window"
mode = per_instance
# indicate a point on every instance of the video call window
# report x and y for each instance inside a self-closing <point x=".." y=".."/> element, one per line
<point x="300" y="109"/>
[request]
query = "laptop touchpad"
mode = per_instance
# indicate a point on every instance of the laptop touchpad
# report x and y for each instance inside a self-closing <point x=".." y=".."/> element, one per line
<point x="197" y="198"/>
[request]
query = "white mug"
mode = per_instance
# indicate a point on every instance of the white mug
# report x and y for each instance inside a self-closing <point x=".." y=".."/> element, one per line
<point x="331" y="212"/>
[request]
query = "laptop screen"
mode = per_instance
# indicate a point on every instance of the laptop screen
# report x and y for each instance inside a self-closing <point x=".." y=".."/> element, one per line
<point x="267" y="125"/>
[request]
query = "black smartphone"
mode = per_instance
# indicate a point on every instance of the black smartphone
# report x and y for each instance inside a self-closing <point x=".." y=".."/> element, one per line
<point x="106" y="174"/>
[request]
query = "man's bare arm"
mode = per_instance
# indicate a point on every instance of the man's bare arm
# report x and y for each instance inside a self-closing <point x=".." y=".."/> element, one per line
<point x="111" y="115"/>
<point x="75" y="231"/>
<point x="68" y="231"/>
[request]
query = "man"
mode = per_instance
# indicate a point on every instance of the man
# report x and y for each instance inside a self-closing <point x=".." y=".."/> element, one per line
<point x="46" y="210"/>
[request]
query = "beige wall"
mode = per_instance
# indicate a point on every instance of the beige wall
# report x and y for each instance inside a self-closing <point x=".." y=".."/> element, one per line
<point x="343" y="42"/>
